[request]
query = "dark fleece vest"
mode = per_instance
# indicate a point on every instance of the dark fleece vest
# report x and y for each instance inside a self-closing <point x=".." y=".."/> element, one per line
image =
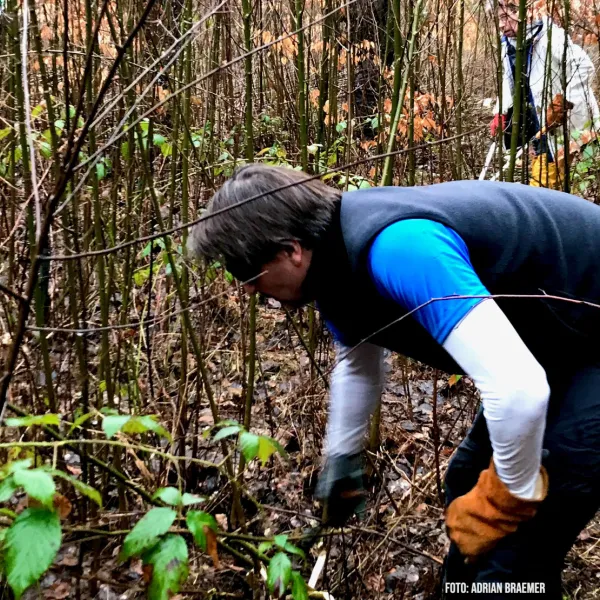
<point x="521" y="240"/>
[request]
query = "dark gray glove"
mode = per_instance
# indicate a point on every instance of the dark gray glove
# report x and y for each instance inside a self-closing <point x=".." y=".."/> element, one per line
<point x="340" y="488"/>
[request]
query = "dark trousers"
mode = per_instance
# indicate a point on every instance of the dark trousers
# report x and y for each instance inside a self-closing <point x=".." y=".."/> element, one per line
<point x="536" y="552"/>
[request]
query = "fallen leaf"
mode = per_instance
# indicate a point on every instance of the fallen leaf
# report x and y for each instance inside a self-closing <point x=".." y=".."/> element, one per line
<point x="58" y="591"/>
<point x="211" y="545"/>
<point x="46" y="33"/>
<point x="68" y="560"/>
<point x="63" y="506"/>
<point x="147" y="573"/>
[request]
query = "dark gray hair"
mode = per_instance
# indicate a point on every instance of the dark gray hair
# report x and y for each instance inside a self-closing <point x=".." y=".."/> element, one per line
<point x="246" y="237"/>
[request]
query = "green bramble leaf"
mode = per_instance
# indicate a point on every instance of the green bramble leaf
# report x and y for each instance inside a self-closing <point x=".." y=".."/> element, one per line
<point x="30" y="546"/>
<point x="249" y="444"/>
<point x="198" y="522"/>
<point x="147" y="531"/>
<point x="226" y="432"/>
<point x="83" y="488"/>
<point x="299" y="587"/>
<point x="169" y="562"/>
<point x="169" y="495"/>
<point x="279" y="574"/>
<point x="7" y="488"/>
<point x="49" y="419"/>
<point x="38" y="484"/>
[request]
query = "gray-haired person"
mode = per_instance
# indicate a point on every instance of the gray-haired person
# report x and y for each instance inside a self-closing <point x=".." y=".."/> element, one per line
<point x="526" y="479"/>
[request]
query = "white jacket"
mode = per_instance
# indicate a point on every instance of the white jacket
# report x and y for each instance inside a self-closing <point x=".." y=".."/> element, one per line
<point x="545" y="77"/>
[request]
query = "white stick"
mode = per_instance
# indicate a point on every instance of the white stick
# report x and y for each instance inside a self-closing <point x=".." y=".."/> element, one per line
<point x="316" y="572"/>
<point x="488" y="160"/>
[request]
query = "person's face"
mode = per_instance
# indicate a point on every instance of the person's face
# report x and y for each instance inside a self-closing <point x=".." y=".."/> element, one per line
<point x="283" y="277"/>
<point x="508" y="16"/>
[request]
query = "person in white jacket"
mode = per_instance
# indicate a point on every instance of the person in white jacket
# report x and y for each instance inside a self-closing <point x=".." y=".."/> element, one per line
<point x="547" y="93"/>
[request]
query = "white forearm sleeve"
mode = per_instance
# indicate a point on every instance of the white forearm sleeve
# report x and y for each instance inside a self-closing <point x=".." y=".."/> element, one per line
<point x="514" y="392"/>
<point x="356" y="384"/>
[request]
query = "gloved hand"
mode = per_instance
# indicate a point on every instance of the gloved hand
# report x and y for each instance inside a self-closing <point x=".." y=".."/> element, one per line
<point x="499" y="121"/>
<point x="556" y="111"/>
<point x="340" y="489"/>
<point x="476" y="521"/>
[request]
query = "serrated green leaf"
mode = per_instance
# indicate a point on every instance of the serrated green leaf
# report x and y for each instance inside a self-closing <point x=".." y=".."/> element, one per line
<point x="45" y="149"/>
<point x="169" y="560"/>
<point x="169" y="495"/>
<point x="158" y="139"/>
<point x="364" y="184"/>
<point x="49" y="419"/>
<point x="79" y="421"/>
<point x="196" y="521"/>
<point x="37" y="111"/>
<point x="265" y="449"/>
<point x="143" y="423"/>
<point x="280" y="449"/>
<point x="100" y="171"/>
<point x="291" y="549"/>
<point x="145" y="535"/>
<point x="166" y="149"/>
<point x="31" y="544"/>
<point x="267" y="446"/>
<point x="249" y="444"/>
<point x="7" y="488"/>
<point x="147" y="249"/>
<point x="37" y="483"/>
<point x="113" y="423"/>
<point x="588" y="152"/>
<point x="140" y="277"/>
<point x="280" y="540"/>
<point x="189" y="499"/>
<point x="226" y="432"/>
<point x="83" y="488"/>
<point x="60" y="125"/>
<point x="5" y="132"/>
<point x="264" y="546"/>
<point x="279" y="573"/>
<point x="17" y="465"/>
<point x="299" y="587"/>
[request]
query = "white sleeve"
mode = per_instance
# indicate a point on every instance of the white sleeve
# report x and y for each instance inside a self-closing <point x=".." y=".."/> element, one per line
<point x="355" y="390"/>
<point x="579" y="68"/>
<point x="514" y="392"/>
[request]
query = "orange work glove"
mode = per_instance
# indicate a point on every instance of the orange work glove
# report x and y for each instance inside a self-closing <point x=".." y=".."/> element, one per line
<point x="489" y="512"/>
<point x="556" y="111"/>
<point x="499" y="121"/>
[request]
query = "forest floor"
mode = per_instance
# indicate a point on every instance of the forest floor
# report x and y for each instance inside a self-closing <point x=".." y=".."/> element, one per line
<point x="395" y="551"/>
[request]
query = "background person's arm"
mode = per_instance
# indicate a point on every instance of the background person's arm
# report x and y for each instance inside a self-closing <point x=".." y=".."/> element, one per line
<point x="579" y="72"/>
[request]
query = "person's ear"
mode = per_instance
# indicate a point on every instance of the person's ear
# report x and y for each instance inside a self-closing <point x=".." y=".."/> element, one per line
<point x="295" y="252"/>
